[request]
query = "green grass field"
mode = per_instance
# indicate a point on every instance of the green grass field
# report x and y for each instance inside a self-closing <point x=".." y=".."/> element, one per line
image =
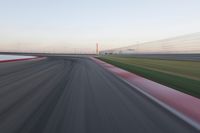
<point x="180" y="75"/>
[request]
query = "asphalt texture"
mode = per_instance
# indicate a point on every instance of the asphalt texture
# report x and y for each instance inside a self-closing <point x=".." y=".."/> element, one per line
<point x="76" y="95"/>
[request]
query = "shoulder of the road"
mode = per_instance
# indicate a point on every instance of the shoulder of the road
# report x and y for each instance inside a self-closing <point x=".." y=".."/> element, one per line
<point x="180" y="104"/>
<point x="22" y="59"/>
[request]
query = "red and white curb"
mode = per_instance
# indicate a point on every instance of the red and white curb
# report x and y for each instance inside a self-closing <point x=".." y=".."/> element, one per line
<point x="182" y="105"/>
<point x="23" y="59"/>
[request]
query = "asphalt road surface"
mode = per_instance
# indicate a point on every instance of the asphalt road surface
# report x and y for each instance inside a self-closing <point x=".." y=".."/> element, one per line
<point x="75" y="95"/>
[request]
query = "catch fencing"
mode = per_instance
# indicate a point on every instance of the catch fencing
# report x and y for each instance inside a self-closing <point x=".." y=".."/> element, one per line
<point x="182" y="44"/>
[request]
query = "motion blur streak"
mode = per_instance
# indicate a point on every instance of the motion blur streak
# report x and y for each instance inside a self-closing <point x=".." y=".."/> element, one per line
<point x="176" y="45"/>
<point x="75" y="95"/>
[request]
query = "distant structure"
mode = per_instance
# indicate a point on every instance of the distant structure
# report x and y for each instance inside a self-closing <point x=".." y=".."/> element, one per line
<point x="97" y="48"/>
<point x="189" y="44"/>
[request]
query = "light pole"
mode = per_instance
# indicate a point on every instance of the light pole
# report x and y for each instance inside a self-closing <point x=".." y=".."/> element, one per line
<point x="97" y="48"/>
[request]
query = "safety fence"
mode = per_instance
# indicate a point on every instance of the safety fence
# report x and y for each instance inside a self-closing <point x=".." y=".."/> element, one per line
<point x="182" y="44"/>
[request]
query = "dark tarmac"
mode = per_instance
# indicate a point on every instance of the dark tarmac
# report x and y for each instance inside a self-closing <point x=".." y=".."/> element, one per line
<point x="75" y="95"/>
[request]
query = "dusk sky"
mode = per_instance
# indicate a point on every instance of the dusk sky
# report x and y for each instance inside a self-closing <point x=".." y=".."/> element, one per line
<point x="76" y="25"/>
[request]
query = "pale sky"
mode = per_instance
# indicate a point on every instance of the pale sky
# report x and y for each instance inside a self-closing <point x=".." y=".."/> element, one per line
<point x="76" y="25"/>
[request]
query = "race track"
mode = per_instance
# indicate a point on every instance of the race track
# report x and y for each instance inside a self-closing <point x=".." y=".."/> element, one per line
<point x="75" y="95"/>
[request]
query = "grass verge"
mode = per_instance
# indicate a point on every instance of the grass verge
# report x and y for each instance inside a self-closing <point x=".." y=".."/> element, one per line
<point x="181" y="83"/>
